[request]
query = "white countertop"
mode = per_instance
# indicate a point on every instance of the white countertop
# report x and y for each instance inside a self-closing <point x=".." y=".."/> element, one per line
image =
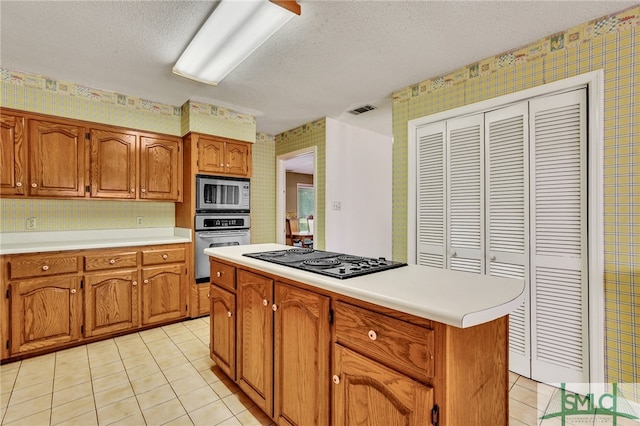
<point x="460" y="299"/>
<point x="35" y="242"/>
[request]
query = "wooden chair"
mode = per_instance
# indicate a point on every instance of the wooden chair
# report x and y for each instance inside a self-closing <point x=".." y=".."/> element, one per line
<point x="288" y="236"/>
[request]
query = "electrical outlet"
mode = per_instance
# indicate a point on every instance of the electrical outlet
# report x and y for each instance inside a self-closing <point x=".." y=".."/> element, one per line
<point x="32" y="224"/>
<point x="140" y="221"/>
<point x="337" y="205"/>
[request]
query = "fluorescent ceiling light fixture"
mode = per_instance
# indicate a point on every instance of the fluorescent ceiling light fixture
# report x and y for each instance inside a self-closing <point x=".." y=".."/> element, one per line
<point x="235" y="29"/>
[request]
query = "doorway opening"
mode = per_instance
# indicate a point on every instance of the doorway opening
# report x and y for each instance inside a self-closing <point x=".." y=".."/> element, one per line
<point x="296" y="173"/>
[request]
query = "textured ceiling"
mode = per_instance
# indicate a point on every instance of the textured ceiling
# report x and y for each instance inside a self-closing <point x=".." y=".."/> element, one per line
<point x="337" y="55"/>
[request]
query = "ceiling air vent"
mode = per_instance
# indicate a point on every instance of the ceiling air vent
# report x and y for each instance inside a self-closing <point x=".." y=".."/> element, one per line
<point x="362" y="109"/>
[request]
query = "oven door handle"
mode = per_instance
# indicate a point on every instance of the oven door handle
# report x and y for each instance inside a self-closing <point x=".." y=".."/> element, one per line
<point x="219" y="234"/>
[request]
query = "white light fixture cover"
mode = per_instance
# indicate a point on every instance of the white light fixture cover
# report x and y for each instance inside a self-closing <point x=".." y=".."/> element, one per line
<point x="233" y="31"/>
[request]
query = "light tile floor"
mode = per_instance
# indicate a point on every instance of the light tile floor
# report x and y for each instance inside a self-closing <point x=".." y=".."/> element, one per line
<point x="162" y="376"/>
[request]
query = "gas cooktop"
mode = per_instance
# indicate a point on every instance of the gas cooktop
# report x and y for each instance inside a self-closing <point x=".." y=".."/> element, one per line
<point x="336" y="265"/>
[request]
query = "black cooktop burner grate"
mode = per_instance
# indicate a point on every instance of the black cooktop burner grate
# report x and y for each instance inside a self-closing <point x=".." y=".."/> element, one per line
<point x="322" y="263"/>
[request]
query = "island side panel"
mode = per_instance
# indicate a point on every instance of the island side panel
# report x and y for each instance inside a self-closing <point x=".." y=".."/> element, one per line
<point x="477" y="375"/>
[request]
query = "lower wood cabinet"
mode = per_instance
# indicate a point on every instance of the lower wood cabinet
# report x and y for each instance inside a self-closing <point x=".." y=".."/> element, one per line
<point x="222" y="344"/>
<point x="57" y="299"/>
<point x="367" y="393"/>
<point x="308" y="356"/>
<point x="111" y="302"/>
<point x="45" y="312"/>
<point x="163" y="296"/>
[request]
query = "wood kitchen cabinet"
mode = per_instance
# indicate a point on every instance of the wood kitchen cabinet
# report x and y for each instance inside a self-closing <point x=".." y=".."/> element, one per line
<point x="217" y="155"/>
<point x="45" y="301"/>
<point x="13" y="168"/>
<point x="111" y="292"/>
<point x="160" y="169"/>
<point x="366" y="392"/>
<point x="255" y="338"/>
<point x="283" y="343"/>
<point x="57" y="159"/>
<point x="222" y="344"/>
<point x="60" y="299"/>
<point x="113" y="164"/>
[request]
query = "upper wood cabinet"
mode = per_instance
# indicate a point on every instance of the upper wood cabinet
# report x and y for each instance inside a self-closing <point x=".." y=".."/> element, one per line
<point x="54" y="157"/>
<point x="113" y="164"/>
<point x="13" y="169"/>
<point x="224" y="156"/>
<point x="160" y="169"/>
<point x="57" y="157"/>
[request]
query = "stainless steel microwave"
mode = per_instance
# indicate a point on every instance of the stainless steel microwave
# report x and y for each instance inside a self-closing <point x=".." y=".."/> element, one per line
<point x="222" y="194"/>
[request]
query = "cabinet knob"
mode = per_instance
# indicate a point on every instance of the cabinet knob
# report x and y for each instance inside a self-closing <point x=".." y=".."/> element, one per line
<point x="208" y="295"/>
<point x="146" y="281"/>
<point x="227" y="166"/>
<point x="274" y="307"/>
<point x="18" y="184"/>
<point x="34" y="185"/>
<point x="265" y="302"/>
<point x="219" y="274"/>
<point x="132" y="190"/>
<point x="73" y="291"/>
<point x="336" y="379"/>
<point x="112" y="261"/>
<point x="372" y="335"/>
<point x="229" y="314"/>
<point x="143" y="190"/>
<point x="165" y="257"/>
<point x="221" y="164"/>
<point x="45" y="268"/>
<point x="134" y="283"/>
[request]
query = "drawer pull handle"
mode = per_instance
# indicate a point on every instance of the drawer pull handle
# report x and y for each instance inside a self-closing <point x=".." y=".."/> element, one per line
<point x="274" y="307"/>
<point x="373" y="335"/>
<point x="229" y="314"/>
<point x="134" y="283"/>
<point x="218" y="274"/>
<point x="73" y="291"/>
<point x="265" y="302"/>
<point x="146" y="281"/>
<point x="112" y="261"/>
<point x="165" y="257"/>
<point x="45" y="268"/>
<point x="336" y="379"/>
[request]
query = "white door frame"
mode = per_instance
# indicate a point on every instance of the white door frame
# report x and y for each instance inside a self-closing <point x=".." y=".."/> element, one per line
<point x="281" y="188"/>
<point x="594" y="81"/>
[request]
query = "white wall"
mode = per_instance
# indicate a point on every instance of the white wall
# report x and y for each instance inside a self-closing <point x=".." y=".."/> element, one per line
<point x="359" y="177"/>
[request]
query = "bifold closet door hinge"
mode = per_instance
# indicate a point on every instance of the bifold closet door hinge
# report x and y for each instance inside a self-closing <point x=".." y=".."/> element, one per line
<point x="8" y="294"/>
<point x="82" y="329"/>
<point x="330" y="316"/>
<point x="87" y="136"/>
<point x="435" y="415"/>
<point x="8" y="344"/>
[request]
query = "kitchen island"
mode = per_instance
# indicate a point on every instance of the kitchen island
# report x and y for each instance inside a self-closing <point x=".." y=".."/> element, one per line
<point x="412" y="345"/>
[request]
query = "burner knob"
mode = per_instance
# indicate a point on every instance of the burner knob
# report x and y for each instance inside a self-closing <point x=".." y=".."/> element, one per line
<point x="342" y="270"/>
<point x="382" y="259"/>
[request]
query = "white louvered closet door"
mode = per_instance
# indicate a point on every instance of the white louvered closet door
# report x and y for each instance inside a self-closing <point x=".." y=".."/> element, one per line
<point x="465" y="193"/>
<point x="431" y="236"/>
<point x="559" y="289"/>
<point x="507" y="216"/>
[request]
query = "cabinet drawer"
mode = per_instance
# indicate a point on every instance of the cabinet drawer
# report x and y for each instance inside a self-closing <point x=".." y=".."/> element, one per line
<point x="223" y="275"/>
<point x="403" y="346"/>
<point x="96" y="262"/>
<point x="42" y="266"/>
<point x="159" y="256"/>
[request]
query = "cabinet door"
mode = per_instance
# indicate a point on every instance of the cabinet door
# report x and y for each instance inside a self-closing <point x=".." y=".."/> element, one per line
<point x="368" y="393"/>
<point x="302" y="342"/>
<point x="113" y="164"/>
<point x="45" y="312"/>
<point x="13" y="170"/>
<point x="160" y="169"/>
<point x="57" y="156"/>
<point x="237" y="158"/>
<point x="255" y="338"/>
<point x="162" y="294"/>
<point x="223" y="330"/>
<point x="111" y="302"/>
<point x="210" y="155"/>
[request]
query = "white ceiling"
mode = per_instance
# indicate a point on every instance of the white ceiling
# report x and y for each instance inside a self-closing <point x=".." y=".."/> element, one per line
<point x="336" y="56"/>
